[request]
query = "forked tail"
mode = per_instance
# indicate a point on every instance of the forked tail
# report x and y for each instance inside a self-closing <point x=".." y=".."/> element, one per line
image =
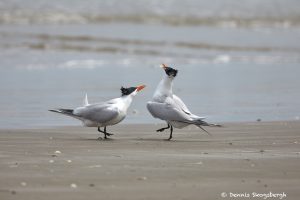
<point x="68" y="112"/>
<point x="201" y="123"/>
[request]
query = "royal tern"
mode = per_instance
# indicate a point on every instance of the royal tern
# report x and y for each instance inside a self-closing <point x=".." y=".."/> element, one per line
<point x="105" y="113"/>
<point x="168" y="107"/>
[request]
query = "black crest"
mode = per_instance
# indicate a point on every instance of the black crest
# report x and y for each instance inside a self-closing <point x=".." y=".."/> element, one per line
<point x="170" y="71"/>
<point x="127" y="91"/>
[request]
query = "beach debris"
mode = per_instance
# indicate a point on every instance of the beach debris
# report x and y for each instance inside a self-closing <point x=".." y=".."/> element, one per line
<point x="142" y="178"/>
<point x="92" y="185"/>
<point x="222" y="59"/>
<point x="243" y="181"/>
<point x="13" y="192"/>
<point x="258" y="181"/>
<point x="258" y="120"/>
<point x="261" y="151"/>
<point x="23" y="184"/>
<point x="295" y="142"/>
<point x="69" y="161"/>
<point x="56" y="154"/>
<point x="265" y="185"/>
<point x="135" y="111"/>
<point x="51" y="161"/>
<point x="51" y="138"/>
<point x="94" y="166"/>
<point x="199" y="163"/>
<point x="73" y="185"/>
<point x="230" y="143"/>
<point x="14" y="165"/>
<point x="284" y="173"/>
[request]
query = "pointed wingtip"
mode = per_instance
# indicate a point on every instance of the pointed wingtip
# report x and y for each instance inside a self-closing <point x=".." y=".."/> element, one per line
<point x="85" y="101"/>
<point x="53" y="110"/>
<point x="205" y="130"/>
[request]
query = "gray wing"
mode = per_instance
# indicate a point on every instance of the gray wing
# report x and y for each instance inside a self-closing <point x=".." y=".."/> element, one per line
<point x="168" y="112"/>
<point x="180" y="103"/>
<point x="184" y="108"/>
<point x="102" y="112"/>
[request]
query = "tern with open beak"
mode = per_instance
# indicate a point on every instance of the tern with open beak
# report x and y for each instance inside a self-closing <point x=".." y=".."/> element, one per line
<point x="105" y="113"/>
<point x="168" y="107"/>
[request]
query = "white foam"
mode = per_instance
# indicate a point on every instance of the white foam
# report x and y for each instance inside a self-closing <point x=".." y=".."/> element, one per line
<point x="222" y="59"/>
<point x="34" y="67"/>
<point x="82" y="64"/>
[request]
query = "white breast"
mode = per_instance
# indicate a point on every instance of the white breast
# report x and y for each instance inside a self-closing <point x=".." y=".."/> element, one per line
<point x="117" y="119"/>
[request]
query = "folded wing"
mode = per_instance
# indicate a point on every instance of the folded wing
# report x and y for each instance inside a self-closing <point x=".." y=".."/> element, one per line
<point x="168" y="112"/>
<point x="98" y="112"/>
<point x="184" y="108"/>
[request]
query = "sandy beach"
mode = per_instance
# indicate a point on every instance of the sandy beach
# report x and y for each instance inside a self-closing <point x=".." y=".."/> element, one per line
<point x="137" y="163"/>
<point x="237" y="61"/>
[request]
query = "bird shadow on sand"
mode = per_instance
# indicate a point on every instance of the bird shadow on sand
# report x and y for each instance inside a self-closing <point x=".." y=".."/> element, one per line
<point x="172" y="140"/>
<point x="97" y="139"/>
<point x="147" y="139"/>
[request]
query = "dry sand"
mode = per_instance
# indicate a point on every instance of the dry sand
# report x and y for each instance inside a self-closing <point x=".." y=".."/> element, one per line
<point x="137" y="163"/>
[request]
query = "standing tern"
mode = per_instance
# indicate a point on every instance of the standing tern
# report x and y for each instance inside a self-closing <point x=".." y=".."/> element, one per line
<point x="105" y="113"/>
<point x="168" y="107"/>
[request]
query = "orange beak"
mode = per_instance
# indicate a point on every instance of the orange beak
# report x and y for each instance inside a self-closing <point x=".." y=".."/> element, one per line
<point x="164" y="66"/>
<point x="140" y="87"/>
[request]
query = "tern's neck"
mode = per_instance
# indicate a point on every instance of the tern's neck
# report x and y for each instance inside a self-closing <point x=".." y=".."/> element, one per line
<point x="126" y="101"/>
<point x="164" y="88"/>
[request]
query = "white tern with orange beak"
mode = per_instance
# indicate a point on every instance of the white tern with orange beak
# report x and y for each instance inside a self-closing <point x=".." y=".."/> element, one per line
<point x="168" y="107"/>
<point x="105" y="113"/>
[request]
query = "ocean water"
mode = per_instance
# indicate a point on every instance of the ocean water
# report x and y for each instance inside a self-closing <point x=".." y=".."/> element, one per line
<point x="238" y="60"/>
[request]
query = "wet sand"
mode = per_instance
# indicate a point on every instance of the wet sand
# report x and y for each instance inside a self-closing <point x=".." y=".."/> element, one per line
<point x="137" y="163"/>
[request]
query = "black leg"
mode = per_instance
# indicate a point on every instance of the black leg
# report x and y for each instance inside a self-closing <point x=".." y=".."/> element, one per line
<point x="162" y="129"/>
<point x="171" y="133"/>
<point x="105" y="136"/>
<point x="100" y="138"/>
<point x="106" y="133"/>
